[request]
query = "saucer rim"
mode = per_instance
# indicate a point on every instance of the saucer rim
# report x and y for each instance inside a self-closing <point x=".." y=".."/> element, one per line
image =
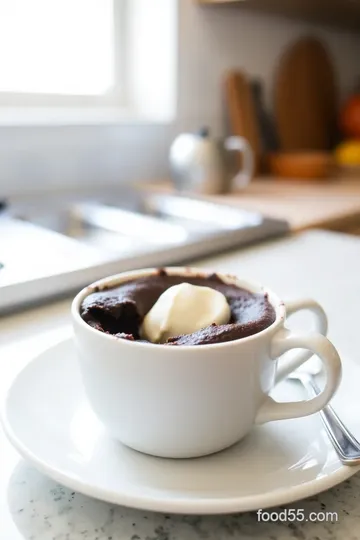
<point x="203" y="506"/>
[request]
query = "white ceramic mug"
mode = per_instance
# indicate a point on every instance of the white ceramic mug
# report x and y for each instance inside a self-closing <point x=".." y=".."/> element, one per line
<point x="189" y="401"/>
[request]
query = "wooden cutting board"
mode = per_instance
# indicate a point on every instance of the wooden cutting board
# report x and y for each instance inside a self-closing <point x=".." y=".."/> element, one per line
<point x="241" y="112"/>
<point x="305" y="97"/>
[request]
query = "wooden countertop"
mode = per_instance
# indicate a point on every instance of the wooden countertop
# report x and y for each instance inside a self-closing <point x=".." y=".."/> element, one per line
<point x="331" y="204"/>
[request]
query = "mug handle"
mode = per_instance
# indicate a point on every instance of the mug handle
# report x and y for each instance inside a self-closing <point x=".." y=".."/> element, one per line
<point x="242" y="179"/>
<point x="321" y="327"/>
<point x="285" y="340"/>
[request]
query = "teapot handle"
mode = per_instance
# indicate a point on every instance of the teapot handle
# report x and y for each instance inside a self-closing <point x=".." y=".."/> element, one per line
<point x="242" y="179"/>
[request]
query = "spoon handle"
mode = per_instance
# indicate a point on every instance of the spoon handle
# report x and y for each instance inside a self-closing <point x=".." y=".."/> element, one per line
<point x="345" y="444"/>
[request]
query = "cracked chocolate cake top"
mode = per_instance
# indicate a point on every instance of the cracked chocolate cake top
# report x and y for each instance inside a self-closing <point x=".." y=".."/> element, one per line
<point x="120" y="310"/>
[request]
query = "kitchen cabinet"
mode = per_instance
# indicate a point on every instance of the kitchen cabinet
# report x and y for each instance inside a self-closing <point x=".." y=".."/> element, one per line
<point x="339" y="13"/>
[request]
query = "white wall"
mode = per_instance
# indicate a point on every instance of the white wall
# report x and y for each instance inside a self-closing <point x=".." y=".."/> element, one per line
<point x="212" y="39"/>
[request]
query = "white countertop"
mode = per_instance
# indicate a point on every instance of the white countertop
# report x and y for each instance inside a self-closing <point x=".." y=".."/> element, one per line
<point x="322" y="265"/>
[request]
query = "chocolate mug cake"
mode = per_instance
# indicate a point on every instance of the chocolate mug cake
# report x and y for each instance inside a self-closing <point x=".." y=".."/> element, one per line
<point x="211" y="310"/>
<point x="157" y="394"/>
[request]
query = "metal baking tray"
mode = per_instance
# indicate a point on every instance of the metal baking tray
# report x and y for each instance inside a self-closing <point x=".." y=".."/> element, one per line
<point x="54" y="246"/>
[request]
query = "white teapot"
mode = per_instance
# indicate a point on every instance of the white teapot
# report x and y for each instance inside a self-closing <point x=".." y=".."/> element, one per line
<point x="201" y="164"/>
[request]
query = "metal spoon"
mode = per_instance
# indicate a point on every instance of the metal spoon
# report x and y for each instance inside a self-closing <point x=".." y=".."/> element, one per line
<point x="345" y="444"/>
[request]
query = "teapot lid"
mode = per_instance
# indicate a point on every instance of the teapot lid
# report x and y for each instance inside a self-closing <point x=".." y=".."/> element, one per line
<point x="204" y="132"/>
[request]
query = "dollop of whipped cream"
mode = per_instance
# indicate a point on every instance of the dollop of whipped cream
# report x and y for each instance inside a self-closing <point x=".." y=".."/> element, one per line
<point x="184" y="309"/>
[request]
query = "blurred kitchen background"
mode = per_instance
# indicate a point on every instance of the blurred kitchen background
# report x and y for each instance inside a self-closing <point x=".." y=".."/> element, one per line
<point x="96" y="95"/>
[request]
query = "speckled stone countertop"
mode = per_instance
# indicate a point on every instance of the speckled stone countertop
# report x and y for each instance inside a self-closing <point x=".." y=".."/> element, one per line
<point x="43" y="510"/>
<point x="33" y="507"/>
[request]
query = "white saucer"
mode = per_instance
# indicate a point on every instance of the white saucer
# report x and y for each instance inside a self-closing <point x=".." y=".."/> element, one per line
<point x="47" y="418"/>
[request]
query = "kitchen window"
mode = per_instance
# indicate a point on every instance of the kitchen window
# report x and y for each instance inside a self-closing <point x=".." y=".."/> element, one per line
<point x="97" y="59"/>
